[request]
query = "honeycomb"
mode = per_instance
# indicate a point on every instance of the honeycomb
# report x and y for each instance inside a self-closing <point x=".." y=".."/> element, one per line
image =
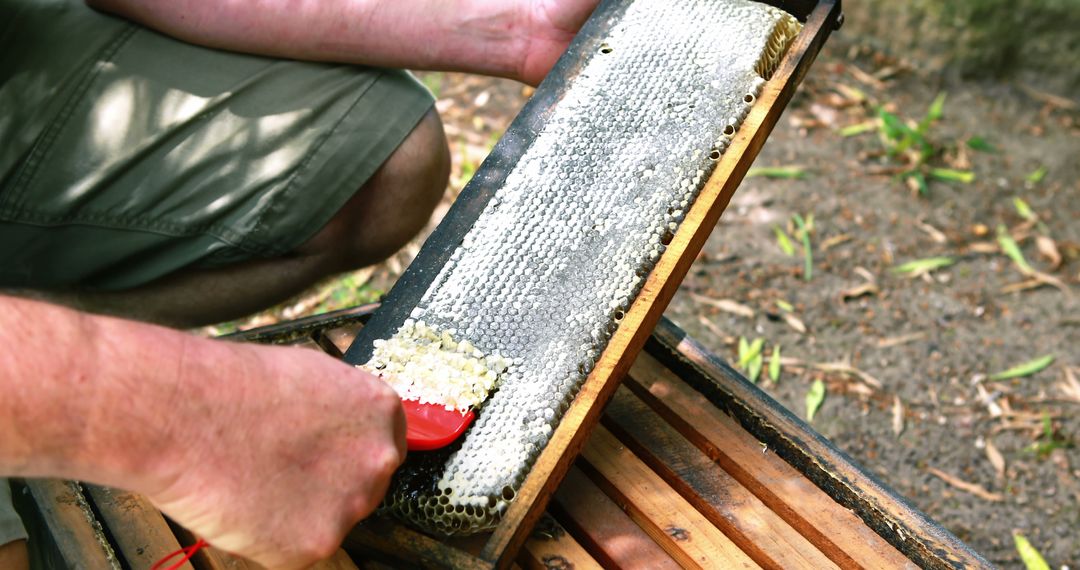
<point x="527" y="302"/>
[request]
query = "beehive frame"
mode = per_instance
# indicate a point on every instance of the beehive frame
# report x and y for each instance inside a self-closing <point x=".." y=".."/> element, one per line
<point x="500" y="548"/>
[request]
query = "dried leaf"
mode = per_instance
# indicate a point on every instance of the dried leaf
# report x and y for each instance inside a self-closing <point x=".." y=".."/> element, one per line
<point x="897" y="416"/>
<point x="835" y="241"/>
<point x="1048" y="248"/>
<point x="774" y="364"/>
<point x="934" y="233"/>
<point x="845" y="368"/>
<point x="814" y="397"/>
<point x="858" y="291"/>
<point x="794" y="322"/>
<point x="898" y="340"/>
<point x="996" y="459"/>
<point x="726" y="305"/>
<point x="974" y="489"/>
<point x="1026" y="369"/>
<point x="1070" y="386"/>
<point x="1031" y="557"/>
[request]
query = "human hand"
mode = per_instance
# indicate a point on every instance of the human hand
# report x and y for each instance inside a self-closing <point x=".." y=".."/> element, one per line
<point x="282" y="453"/>
<point x="549" y="27"/>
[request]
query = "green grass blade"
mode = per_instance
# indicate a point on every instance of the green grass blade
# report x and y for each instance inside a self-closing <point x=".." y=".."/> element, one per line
<point x="859" y="128"/>
<point x="1011" y="249"/>
<point x="804" y="235"/>
<point x="783" y="241"/>
<point x="1024" y="209"/>
<point x="924" y="265"/>
<point x="781" y="172"/>
<point x="784" y="305"/>
<point x="753" y="369"/>
<point x="774" y="364"/>
<point x="814" y="397"/>
<point x="1037" y="175"/>
<point x="1031" y="557"/>
<point x="982" y="145"/>
<point x="950" y="175"/>
<point x="1026" y="369"/>
<point x="933" y="113"/>
<point x="744" y="349"/>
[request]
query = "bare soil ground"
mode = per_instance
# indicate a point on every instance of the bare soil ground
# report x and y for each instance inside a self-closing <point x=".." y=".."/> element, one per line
<point x="908" y="362"/>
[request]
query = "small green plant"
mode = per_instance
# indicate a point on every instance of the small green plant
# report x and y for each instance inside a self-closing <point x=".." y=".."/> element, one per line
<point x="910" y="143"/>
<point x="750" y="358"/>
<point x="774" y="364"/>
<point x="1049" y="440"/>
<point x="814" y="398"/>
<point x="802" y="232"/>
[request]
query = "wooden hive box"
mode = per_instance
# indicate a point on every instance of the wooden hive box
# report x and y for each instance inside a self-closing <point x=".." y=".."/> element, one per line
<point x="691" y="466"/>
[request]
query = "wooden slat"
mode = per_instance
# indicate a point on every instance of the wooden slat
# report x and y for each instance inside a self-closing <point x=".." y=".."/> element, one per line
<point x="837" y="532"/>
<point x="672" y="522"/>
<point x="603" y="529"/>
<point x="139" y="531"/>
<point x="559" y="550"/>
<point x="343" y="336"/>
<point x="67" y="515"/>
<point x="380" y="536"/>
<point x="657" y="291"/>
<point x="758" y="531"/>
<point x="889" y="514"/>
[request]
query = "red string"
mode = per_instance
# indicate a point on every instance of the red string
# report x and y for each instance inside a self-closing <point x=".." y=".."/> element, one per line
<point x="186" y="553"/>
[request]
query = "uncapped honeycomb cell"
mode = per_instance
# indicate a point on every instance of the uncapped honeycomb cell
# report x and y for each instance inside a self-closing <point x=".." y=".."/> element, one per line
<point x="517" y="317"/>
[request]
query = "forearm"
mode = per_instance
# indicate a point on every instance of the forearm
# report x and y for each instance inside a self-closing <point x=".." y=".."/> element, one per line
<point x="87" y="397"/>
<point x="481" y="36"/>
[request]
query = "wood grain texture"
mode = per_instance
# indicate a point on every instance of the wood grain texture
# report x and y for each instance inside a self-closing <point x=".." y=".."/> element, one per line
<point x="836" y="532"/>
<point x="556" y="551"/>
<point x="72" y="525"/>
<point x="603" y="529"/>
<point x="657" y="508"/>
<point x="141" y="535"/>
<point x="389" y="541"/>
<point x="756" y="529"/>
<point x="886" y="513"/>
<point x="659" y="288"/>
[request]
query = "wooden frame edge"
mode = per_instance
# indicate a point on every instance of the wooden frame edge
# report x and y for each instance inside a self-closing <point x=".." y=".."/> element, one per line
<point x="584" y="413"/>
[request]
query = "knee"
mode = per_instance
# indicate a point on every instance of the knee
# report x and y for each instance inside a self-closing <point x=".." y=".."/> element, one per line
<point x="395" y="204"/>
